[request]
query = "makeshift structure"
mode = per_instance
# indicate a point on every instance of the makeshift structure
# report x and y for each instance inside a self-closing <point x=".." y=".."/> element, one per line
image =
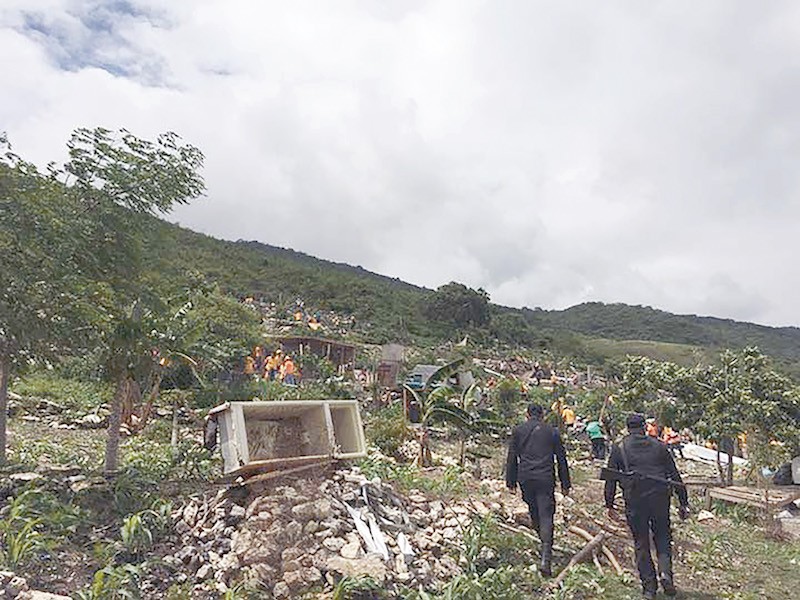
<point x="341" y="354"/>
<point x="389" y="367"/>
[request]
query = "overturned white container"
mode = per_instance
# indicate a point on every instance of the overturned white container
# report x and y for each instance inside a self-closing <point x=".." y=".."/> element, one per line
<point x="266" y="436"/>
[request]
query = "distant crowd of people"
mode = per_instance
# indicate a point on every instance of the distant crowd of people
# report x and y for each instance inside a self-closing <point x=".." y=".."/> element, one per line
<point x="597" y="431"/>
<point x="271" y="367"/>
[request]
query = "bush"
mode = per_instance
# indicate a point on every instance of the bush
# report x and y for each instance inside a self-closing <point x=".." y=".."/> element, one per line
<point x="387" y="429"/>
<point x="32" y="521"/>
<point x="114" y="583"/>
<point x="357" y="588"/>
<point x="141" y="530"/>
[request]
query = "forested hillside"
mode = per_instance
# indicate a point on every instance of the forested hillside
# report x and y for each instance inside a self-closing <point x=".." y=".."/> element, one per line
<point x="388" y="309"/>
<point x="625" y="322"/>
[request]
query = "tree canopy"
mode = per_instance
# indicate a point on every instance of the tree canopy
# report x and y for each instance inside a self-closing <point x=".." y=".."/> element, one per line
<point x="459" y="305"/>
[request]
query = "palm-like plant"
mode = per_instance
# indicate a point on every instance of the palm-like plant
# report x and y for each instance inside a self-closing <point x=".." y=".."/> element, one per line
<point x="439" y="402"/>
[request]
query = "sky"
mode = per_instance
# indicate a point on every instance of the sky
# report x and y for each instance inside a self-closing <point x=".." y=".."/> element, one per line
<point x="550" y="152"/>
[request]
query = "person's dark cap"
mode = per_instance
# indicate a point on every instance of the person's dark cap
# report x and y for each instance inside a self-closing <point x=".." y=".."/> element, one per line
<point x="634" y="421"/>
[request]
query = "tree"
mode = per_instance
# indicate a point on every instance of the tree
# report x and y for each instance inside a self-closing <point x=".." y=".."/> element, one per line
<point x="742" y="394"/>
<point x="49" y="280"/>
<point x="123" y="177"/>
<point x="70" y="244"/>
<point x="438" y="402"/>
<point x="456" y="304"/>
<point x="201" y="330"/>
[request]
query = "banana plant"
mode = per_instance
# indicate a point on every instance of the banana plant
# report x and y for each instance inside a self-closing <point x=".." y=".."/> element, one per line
<point x="441" y="403"/>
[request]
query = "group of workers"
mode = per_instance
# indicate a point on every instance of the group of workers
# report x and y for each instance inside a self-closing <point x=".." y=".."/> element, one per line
<point x="271" y="367"/>
<point x="536" y="451"/>
<point x="597" y="436"/>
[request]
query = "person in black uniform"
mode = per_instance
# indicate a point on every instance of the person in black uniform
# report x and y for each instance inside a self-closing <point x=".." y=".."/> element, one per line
<point x="647" y="502"/>
<point x="531" y="451"/>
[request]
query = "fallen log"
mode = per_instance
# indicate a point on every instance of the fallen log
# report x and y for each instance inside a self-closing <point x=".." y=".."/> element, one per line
<point x="604" y="549"/>
<point x="528" y="534"/>
<point x="618" y="531"/>
<point x="253" y="479"/>
<point x="582" y="555"/>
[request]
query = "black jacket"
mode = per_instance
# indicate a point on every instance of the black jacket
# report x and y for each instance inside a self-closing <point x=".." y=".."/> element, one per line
<point x="531" y="450"/>
<point x="646" y="456"/>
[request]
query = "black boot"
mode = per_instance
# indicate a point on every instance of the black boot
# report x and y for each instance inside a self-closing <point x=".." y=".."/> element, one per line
<point x="669" y="587"/>
<point x="547" y="558"/>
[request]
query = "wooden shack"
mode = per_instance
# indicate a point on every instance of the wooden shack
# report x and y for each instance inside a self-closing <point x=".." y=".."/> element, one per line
<point x="342" y="355"/>
<point x="268" y="436"/>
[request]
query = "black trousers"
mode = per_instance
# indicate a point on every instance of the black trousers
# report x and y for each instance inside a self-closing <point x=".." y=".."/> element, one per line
<point x="645" y="515"/>
<point x="598" y="448"/>
<point x="541" y="500"/>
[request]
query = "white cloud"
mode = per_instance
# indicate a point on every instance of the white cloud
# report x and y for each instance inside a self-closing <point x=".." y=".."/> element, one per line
<point x="550" y="152"/>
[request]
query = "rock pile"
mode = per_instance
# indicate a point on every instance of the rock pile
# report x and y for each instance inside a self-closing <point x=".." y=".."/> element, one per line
<point x="15" y="587"/>
<point x="311" y="533"/>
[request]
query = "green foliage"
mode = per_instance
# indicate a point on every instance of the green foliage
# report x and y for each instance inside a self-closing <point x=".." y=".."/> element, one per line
<point x="140" y="175"/>
<point x="487" y="546"/>
<point x="77" y="397"/>
<point x="83" y="452"/>
<point x="584" y="582"/>
<point x="496" y="565"/>
<point x="447" y="482"/>
<point x="19" y="536"/>
<point x="510" y="326"/>
<point x="357" y="588"/>
<point x="136" y="535"/>
<point x="742" y="394"/>
<point x="508" y="400"/>
<point x="503" y="583"/>
<point x="146" y="464"/>
<point x="34" y="520"/>
<point x="179" y="591"/>
<point x="140" y="530"/>
<point x="456" y="304"/>
<point x="387" y="429"/>
<point x="120" y="582"/>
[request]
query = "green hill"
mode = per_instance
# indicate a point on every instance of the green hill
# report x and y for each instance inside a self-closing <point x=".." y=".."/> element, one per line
<point x="387" y="309"/>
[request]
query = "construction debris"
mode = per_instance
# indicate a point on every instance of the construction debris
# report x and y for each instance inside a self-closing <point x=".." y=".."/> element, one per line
<point x="314" y="531"/>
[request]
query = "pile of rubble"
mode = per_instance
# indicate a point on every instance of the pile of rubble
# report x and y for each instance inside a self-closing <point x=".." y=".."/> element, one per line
<point x="292" y="538"/>
<point x="15" y="587"/>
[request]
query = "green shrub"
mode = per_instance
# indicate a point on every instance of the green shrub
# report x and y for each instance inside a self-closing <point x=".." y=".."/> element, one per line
<point x="357" y="588"/>
<point x="387" y="429"/>
<point x="32" y="521"/>
<point x="141" y="530"/>
<point x="122" y="582"/>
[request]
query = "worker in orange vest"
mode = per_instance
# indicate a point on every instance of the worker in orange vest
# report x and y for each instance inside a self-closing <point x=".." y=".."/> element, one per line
<point x="652" y="428"/>
<point x="673" y="440"/>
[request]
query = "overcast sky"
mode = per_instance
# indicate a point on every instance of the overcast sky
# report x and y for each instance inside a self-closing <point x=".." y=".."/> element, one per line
<point x="550" y="152"/>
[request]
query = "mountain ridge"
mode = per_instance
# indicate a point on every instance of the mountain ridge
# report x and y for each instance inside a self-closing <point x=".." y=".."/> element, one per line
<point x="396" y="308"/>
